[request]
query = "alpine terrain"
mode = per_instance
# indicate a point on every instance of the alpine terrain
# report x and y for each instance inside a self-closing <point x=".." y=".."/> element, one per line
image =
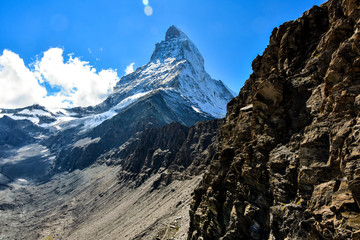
<point x="156" y="161"/>
<point x="172" y="87"/>
<point x="100" y="168"/>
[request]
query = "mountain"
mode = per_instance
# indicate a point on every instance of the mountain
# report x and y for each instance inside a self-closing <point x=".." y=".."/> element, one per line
<point x="177" y="68"/>
<point x="283" y="164"/>
<point x="125" y="168"/>
<point x="172" y="87"/>
<point x="288" y="161"/>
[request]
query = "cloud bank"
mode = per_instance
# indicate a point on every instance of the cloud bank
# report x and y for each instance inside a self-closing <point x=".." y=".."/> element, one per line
<point x="52" y="82"/>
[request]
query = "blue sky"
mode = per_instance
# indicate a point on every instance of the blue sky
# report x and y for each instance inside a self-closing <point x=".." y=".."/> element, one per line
<point x="111" y="34"/>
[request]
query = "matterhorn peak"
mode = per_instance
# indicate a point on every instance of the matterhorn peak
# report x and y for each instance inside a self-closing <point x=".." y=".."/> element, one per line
<point x="177" y="68"/>
<point x="178" y="46"/>
<point x="173" y="32"/>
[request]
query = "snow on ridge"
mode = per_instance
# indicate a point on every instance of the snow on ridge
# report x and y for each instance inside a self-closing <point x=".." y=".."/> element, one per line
<point x="97" y="119"/>
<point x="65" y="120"/>
<point x="209" y="95"/>
<point x="34" y="115"/>
<point x="35" y="120"/>
<point x="152" y="76"/>
<point x="129" y="100"/>
<point x="177" y="63"/>
<point x="35" y="112"/>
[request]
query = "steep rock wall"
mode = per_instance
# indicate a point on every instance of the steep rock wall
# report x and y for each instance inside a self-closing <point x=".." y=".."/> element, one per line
<point x="288" y="163"/>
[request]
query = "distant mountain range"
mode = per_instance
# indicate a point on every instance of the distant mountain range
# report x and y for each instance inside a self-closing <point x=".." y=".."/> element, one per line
<point x="172" y="87"/>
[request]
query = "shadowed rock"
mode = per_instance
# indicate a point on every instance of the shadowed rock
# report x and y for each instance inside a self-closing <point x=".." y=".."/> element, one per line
<point x="288" y="161"/>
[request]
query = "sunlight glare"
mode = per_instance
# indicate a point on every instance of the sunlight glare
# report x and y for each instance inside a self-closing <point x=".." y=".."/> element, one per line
<point x="148" y="10"/>
<point x="146" y="2"/>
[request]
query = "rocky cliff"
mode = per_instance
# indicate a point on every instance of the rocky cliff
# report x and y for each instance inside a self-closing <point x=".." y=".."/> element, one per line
<point x="288" y="163"/>
<point x="175" y="151"/>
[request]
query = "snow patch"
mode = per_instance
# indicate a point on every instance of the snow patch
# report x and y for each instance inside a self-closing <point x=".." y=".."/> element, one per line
<point x="129" y="100"/>
<point x="95" y="120"/>
<point x="21" y="180"/>
<point x="196" y="109"/>
<point x="66" y="121"/>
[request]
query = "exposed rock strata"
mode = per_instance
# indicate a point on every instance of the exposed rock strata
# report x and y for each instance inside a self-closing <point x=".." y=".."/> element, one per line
<point x="288" y="161"/>
<point x="175" y="151"/>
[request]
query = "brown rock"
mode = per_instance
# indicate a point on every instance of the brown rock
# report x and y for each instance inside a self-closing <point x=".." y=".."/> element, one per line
<point x="288" y="163"/>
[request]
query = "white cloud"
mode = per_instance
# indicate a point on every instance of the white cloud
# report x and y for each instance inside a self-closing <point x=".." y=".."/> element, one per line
<point x="130" y="68"/>
<point x="18" y="85"/>
<point x="79" y="83"/>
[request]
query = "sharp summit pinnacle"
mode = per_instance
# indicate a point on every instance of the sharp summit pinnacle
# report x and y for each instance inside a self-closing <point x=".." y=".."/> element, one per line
<point x="174" y="32"/>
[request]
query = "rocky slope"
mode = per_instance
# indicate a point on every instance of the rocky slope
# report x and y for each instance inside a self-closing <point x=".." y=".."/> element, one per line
<point x="141" y="190"/>
<point x="93" y="204"/>
<point x="175" y="151"/>
<point x="288" y="160"/>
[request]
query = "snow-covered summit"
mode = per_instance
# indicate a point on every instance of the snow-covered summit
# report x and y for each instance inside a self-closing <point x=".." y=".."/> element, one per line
<point x="176" y="65"/>
<point x="175" y="71"/>
<point x="177" y="45"/>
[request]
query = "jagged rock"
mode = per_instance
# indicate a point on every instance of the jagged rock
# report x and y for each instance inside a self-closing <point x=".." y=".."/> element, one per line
<point x="17" y="133"/>
<point x="174" y="150"/>
<point x="288" y="161"/>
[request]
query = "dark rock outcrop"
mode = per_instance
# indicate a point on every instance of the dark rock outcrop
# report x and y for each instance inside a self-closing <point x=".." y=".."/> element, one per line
<point x="17" y="133"/>
<point x="288" y="161"/>
<point x="174" y="150"/>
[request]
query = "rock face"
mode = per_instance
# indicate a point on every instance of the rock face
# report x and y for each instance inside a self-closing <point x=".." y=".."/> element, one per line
<point x="175" y="151"/>
<point x="17" y="133"/>
<point x="288" y="161"/>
